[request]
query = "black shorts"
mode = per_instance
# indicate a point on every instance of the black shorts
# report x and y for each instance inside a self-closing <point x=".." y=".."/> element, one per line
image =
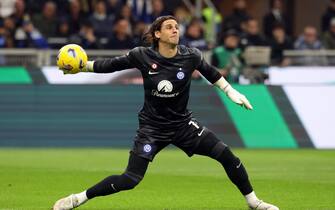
<point x="148" y="142"/>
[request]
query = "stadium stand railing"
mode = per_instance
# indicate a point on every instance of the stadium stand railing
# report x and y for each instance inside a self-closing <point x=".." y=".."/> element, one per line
<point x="47" y="57"/>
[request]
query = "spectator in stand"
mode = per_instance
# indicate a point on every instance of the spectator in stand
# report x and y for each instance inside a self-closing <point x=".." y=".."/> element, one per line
<point x="183" y="17"/>
<point x="28" y="36"/>
<point x="121" y="38"/>
<point x="328" y="39"/>
<point x="125" y="13"/>
<point x="9" y="25"/>
<point x="139" y="30"/>
<point x="252" y="36"/>
<point x="114" y="6"/>
<point x="227" y="56"/>
<point x="328" y="16"/>
<point x="46" y="22"/>
<point x="207" y="15"/>
<point x="100" y="20"/>
<point x="3" y="37"/>
<point x="7" y="33"/>
<point x="63" y="28"/>
<point x="158" y="9"/>
<point x="86" y="37"/>
<point x="19" y="14"/>
<point x="194" y="36"/>
<point x="239" y="15"/>
<point x="308" y="40"/>
<point x="275" y="17"/>
<point x="34" y="6"/>
<point x="280" y="42"/>
<point x="76" y="16"/>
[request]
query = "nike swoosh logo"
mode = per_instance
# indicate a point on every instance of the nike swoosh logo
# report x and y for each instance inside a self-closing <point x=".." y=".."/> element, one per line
<point x="199" y="134"/>
<point x="239" y="165"/>
<point x="113" y="187"/>
<point x="153" y="72"/>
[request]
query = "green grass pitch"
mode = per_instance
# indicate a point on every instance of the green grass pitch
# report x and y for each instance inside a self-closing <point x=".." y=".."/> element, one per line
<point x="293" y="179"/>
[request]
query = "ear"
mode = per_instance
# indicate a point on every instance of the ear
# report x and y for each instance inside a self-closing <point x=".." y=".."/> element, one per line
<point x="157" y="34"/>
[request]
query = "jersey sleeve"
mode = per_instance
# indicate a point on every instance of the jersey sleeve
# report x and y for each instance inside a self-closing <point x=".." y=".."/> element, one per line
<point x="113" y="64"/>
<point x="128" y="61"/>
<point x="208" y="71"/>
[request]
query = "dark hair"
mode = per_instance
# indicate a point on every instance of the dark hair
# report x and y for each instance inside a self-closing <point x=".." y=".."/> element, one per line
<point x="149" y="37"/>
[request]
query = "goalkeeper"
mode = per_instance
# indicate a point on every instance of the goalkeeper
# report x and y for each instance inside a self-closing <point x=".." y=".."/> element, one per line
<point x="166" y="68"/>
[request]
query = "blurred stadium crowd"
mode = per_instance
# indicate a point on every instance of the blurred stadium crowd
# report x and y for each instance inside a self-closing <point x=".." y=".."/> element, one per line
<point x="119" y="24"/>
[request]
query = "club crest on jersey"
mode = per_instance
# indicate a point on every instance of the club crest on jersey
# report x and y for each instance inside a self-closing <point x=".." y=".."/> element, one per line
<point x="147" y="148"/>
<point x="180" y="75"/>
<point x="165" y="86"/>
<point x="154" y="66"/>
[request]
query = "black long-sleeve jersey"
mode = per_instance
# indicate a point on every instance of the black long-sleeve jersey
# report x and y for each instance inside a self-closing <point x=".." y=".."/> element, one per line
<point x="166" y="82"/>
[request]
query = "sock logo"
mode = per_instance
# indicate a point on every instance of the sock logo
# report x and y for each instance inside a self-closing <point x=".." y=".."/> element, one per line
<point x="239" y="165"/>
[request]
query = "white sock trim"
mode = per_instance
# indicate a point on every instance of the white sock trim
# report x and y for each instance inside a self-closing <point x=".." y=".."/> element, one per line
<point x="82" y="198"/>
<point x="251" y="198"/>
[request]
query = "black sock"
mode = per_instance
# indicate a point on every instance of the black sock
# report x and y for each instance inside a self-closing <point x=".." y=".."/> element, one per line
<point x="110" y="185"/>
<point x="235" y="171"/>
<point x="134" y="173"/>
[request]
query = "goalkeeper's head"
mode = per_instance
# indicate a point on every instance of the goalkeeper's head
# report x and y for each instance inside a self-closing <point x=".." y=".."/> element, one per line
<point x="164" y="30"/>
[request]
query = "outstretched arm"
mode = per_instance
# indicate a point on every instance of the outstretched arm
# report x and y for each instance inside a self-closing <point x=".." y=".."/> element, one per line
<point x="104" y="66"/>
<point x="213" y="76"/>
<point x="109" y="65"/>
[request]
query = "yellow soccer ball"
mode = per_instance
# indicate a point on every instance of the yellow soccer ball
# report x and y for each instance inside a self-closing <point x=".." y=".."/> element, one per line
<point x="72" y="58"/>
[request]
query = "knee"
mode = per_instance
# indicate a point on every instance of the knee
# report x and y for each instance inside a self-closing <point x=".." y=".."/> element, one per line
<point x="218" y="149"/>
<point x="227" y="158"/>
<point x="128" y="181"/>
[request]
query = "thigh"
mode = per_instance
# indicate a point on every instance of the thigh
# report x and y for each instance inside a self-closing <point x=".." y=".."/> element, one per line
<point x="210" y="146"/>
<point x="189" y="136"/>
<point x="145" y="148"/>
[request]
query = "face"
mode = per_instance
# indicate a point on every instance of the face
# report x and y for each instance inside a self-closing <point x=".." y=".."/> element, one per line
<point x="277" y="4"/>
<point x="332" y="28"/>
<point x="194" y="30"/>
<point x="252" y="27"/>
<point x="169" y="32"/>
<point x="240" y="4"/>
<point x="231" y="41"/>
<point x="279" y="34"/>
<point x="157" y="6"/>
<point x="122" y="27"/>
<point x="64" y="28"/>
<point x="9" y="23"/>
<point x="100" y="7"/>
<point x="19" y="5"/>
<point x="126" y="11"/>
<point x="332" y="4"/>
<point x="49" y="10"/>
<point x="75" y="6"/>
<point x="310" y="34"/>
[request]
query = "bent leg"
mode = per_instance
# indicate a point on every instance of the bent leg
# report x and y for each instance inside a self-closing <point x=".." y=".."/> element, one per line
<point x="134" y="173"/>
<point x="212" y="147"/>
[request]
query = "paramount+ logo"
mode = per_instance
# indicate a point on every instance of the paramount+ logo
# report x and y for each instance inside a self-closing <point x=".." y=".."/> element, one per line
<point x="164" y="89"/>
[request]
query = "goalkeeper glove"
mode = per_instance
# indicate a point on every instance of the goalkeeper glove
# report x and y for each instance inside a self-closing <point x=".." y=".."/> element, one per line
<point x="87" y="68"/>
<point x="233" y="94"/>
<point x="237" y="97"/>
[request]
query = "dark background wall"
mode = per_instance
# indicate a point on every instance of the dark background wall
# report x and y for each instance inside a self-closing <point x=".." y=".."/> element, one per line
<point x="302" y="12"/>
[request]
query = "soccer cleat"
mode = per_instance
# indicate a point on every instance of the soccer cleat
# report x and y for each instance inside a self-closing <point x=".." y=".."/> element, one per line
<point x="261" y="205"/>
<point x="66" y="203"/>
